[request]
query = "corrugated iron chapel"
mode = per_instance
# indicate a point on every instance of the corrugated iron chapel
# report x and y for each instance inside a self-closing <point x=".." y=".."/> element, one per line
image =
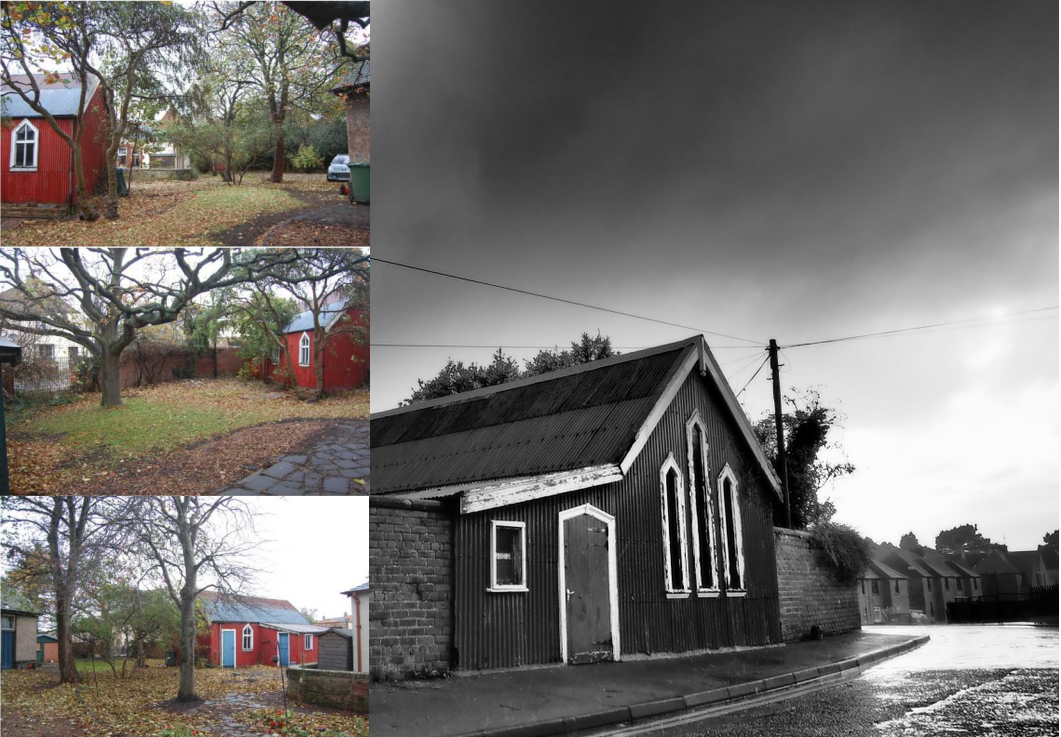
<point x="617" y="508"/>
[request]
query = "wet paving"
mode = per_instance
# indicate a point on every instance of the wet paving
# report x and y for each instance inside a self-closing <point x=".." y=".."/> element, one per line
<point x="995" y="681"/>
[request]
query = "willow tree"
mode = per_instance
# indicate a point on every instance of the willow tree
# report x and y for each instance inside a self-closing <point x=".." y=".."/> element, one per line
<point x="100" y="298"/>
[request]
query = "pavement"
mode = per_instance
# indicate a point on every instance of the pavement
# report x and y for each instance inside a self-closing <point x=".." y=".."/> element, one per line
<point x="538" y="702"/>
<point x="337" y="464"/>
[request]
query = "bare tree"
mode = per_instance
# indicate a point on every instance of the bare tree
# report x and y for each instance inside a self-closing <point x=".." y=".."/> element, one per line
<point x="196" y="544"/>
<point x="79" y="533"/>
<point x="121" y="290"/>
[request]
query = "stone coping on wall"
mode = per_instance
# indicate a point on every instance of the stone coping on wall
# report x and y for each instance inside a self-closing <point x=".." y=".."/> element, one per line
<point x="341" y="689"/>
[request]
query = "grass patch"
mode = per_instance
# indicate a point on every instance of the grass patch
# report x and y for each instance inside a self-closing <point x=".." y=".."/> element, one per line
<point x="53" y="449"/>
<point x="165" y="214"/>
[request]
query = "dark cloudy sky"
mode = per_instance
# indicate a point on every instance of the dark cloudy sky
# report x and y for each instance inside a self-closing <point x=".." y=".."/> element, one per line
<point x="793" y="170"/>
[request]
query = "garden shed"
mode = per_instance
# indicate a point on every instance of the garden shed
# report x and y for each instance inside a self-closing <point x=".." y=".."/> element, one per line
<point x="18" y="629"/>
<point x="614" y="508"/>
<point x="336" y="650"/>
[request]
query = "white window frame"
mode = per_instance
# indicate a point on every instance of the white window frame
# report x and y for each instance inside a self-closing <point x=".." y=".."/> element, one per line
<point x="695" y="421"/>
<point x="671" y="465"/>
<point x="307" y="642"/>
<point x="496" y="587"/>
<point x="14" y="146"/>
<point x="7" y="622"/>
<point x="303" y="350"/>
<point x="738" y="538"/>
<point x="276" y="355"/>
<point x="247" y="634"/>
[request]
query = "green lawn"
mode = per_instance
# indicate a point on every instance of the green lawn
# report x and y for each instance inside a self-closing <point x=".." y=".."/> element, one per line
<point x="172" y="415"/>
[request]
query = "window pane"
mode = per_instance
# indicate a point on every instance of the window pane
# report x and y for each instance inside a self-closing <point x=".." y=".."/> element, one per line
<point x="731" y="535"/>
<point x="677" y="577"/>
<point x="707" y="558"/>
<point x="508" y="556"/>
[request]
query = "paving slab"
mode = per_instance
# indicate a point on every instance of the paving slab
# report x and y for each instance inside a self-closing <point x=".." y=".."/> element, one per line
<point x="554" y="700"/>
<point x="319" y="468"/>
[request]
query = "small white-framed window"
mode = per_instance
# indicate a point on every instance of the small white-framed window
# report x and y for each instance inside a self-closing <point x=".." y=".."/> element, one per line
<point x="248" y="638"/>
<point x="732" y="540"/>
<point x="508" y="556"/>
<point x="675" y="545"/>
<point x="24" y="145"/>
<point x="276" y="355"/>
<point x="303" y="350"/>
<point x="7" y="622"/>
<point x="876" y="587"/>
<point x="701" y="509"/>
<point x="307" y="643"/>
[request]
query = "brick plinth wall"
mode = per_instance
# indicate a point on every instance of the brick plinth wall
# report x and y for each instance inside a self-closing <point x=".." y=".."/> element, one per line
<point x="335" y="688"/>
<point x="809" y="592"/>
<point x="411" y="569"/>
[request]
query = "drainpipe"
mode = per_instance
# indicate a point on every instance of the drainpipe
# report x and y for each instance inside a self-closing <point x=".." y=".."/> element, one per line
<point x="357" y="617"/>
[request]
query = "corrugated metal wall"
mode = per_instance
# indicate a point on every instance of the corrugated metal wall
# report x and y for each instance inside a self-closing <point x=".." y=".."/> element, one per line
<point x="52" y="181"/>
<point x="498" y="630"/>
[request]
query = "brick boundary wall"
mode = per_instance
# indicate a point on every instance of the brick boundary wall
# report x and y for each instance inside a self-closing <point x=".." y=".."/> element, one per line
<point x="228" y="364"/>
<point x="339" y="689"/>
<point x="411" y="604"/>
<point x="808" y="591"/>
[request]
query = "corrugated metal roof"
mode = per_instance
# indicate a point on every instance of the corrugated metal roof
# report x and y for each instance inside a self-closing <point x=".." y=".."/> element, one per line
<point x="304" y="320"/>
<point x="348" y="634"/>
<point x="251" y="609"/>
<point x="59" y="98"/>
<point x="569" y="420"/>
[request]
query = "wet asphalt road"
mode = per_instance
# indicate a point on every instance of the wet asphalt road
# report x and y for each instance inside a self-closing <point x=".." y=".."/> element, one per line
<point x="995" y="680"/>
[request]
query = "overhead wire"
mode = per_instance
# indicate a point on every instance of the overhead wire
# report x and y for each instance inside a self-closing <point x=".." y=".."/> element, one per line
<point x="561" y="299"/>
<point x="753" y="376"/>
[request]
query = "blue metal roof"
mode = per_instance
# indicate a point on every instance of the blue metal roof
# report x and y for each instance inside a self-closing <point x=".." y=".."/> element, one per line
<point x="304" y="320"/>
<point x="251" y="609"/>
<point x="57" y="98"/>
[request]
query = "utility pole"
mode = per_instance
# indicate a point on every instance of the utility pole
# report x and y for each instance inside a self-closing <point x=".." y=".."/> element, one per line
<point x="782" y="460"/>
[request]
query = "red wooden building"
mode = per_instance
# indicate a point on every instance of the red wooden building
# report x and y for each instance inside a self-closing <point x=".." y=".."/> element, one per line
<point x="37" y="162"/>
<point x="346" y="362"/>
<point x="248" y="631"/>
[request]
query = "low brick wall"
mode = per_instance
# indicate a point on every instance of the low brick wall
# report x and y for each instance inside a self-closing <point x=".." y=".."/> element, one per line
<point x="809" y="592"/>
<point x="336" y="688"/>
<point x="411" y="607"/>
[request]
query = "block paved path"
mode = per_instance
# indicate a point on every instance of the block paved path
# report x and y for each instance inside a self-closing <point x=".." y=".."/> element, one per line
<point x="337" y="463"/>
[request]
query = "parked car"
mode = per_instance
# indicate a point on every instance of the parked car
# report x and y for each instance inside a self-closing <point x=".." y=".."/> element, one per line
<point x="338" y="170"/>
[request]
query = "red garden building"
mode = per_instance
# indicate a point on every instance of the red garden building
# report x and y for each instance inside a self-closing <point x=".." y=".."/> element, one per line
<point x="345" y="359"/>
<point x="248" y="631"/>
<point x="38" y="165"/>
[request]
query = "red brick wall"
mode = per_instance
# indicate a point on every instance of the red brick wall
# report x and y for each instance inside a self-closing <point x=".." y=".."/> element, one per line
<point x="228" y="364"/>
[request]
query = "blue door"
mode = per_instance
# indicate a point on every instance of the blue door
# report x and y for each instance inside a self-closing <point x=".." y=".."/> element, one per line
<point x="283" y="646"/>
<point x="8" y="650"/>
<point x="228" y="648"/>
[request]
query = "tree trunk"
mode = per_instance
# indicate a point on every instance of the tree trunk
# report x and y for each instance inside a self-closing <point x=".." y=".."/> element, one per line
<point x="186" y="692"/>
<point x="111" y="379"/>
<point x="278" y="155"/>
<point x="318" y="368"/>
<point x="86" y="211"/>
<point x="64" y="631"/>
<point x="110" y="210"/>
